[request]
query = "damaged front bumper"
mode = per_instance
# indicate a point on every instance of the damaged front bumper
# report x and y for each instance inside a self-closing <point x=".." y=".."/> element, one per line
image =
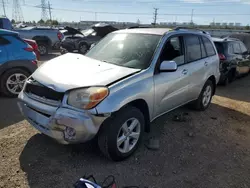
<point x="62" y="123"/>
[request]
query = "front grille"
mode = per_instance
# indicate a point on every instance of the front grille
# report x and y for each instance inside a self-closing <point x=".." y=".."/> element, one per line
<point x="34" y="87"/>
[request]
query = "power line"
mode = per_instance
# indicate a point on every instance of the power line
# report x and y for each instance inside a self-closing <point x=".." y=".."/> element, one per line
<point x="136" y="13"/>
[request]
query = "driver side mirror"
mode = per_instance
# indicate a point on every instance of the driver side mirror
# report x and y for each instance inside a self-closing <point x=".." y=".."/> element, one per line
<point x="168" y="66"/>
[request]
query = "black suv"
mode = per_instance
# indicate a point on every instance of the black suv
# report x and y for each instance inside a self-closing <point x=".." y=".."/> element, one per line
<point x="234" y="59"/>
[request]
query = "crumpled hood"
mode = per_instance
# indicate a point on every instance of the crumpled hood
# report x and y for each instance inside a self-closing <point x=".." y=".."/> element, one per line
<point x="71" y="71"/>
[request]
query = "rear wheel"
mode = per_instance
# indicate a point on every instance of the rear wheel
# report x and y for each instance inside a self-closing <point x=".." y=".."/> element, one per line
<point x="43" y="48"/>
<point x="12" y="81"/>
<point x="205" y="97"/>
<point x="120" y="135"/>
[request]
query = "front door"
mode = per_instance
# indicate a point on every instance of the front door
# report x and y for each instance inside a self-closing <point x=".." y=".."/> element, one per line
<point x="171" y="88"/>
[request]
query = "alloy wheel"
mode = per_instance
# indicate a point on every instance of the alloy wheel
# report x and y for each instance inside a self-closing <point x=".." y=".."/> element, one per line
<point x="207" y="95"/>
<point x="128" y="135"/>
<point x="15" y="83"/>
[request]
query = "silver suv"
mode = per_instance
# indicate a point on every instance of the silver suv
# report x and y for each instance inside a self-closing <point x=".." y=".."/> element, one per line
<point x="127" y="80"/>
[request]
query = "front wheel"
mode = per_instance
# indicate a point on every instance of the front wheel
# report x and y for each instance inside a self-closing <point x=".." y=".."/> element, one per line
<point x="205" y="97"/>
<point x="12" y="81"/>
<point x="121" y="134"/>
<point x="83" y="48"/>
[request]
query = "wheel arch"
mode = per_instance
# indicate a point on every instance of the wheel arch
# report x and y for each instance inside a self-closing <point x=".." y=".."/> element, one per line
<point x="44" y="39"/>
<point x="142" y="105"/>
<point x="213" y="79"/>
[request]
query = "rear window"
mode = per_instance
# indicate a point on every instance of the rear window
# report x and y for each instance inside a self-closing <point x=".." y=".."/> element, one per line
<point x="219" y="47"/>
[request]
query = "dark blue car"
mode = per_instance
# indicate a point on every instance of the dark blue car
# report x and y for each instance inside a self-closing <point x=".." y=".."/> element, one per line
<point x="17" y="62"/>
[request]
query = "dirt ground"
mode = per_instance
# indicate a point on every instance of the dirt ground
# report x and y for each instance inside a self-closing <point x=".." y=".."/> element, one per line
<point x="208" y="149"/>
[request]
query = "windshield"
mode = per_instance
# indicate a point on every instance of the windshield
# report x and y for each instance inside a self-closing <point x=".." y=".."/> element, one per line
<point x="88" y="32"/>
<point x="128" y="50"/>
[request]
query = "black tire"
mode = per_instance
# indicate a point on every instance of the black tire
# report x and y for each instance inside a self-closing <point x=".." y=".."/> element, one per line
<point x="4" y="78"/>
<point x="43" y="48"/>
<point x="83" y="48"/>
<point x="231" y="75"/>
<point x="198" y="104"/>
<point x="225" y="82"/>
<point x="109" y="132"/>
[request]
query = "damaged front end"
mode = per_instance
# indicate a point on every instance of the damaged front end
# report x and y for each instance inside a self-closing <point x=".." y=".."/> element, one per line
<point x="48" y="111"/>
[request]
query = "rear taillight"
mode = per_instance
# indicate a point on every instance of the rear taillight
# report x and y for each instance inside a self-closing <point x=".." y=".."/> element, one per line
<point x="29" y="49"/>
<point x="222" y="57"/>
<point x="34" y="62"/>
<point x="35" y="46"/>
<point x="60" y="35"/>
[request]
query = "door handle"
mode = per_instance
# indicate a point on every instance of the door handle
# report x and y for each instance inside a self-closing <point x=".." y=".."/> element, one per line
<point x="185" y="71"/>
<point x="206" y="63"/>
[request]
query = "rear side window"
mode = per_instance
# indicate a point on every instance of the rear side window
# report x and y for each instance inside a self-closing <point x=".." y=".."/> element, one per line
<point x="193" y="48"/>
<point x="243" y="47"/>
<point x="209" y="46"/>
<point x="236" y="48"/>
<point x="3" y="41"/>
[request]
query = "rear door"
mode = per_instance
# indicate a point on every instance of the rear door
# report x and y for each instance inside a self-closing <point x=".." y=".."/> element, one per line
<point x="196" y="62"/>
<point x="3" y="51"/>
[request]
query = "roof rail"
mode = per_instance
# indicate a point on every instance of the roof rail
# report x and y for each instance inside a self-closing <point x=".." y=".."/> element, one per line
<point x="135" y="27"/>
<point x="230" y="38"/>
<point x="188" y="28"/>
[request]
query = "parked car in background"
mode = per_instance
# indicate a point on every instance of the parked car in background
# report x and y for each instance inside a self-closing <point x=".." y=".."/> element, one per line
<point x="123" y="83"/>
<point x="17" y="62"/>
<point x="76" y="40"/>
<point x="46" y="38"/>
<point x="34" y="45"/>
<point x="234" y="59"/>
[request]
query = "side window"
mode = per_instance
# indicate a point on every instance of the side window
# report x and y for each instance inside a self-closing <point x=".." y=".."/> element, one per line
<point x="193" y="48"/>
<point x="7" y="24"/>
<point x="230" y="48"/>
<point x="243" y="47"/>
<point x="3" y="41"/>
<point x="236" y="48"/>
<point x="209" y="46"/>
<point x="173" y="51"/>
<point x="203" y="51"/>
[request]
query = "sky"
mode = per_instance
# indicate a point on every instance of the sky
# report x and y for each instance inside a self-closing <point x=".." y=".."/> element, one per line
<point x="204" y="11"/>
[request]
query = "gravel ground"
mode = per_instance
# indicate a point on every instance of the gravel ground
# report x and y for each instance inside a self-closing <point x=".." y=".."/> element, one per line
<point x="208" y="149"/>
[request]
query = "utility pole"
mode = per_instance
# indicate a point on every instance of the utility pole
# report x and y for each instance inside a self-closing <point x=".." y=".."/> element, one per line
<point x="95" y="16"/>
<point x="3" y="2"/>
<point x="49" y="6"/>
<point x="17" y="13"/>
<point x="192" y="16"/>
<point x="155" y="16"/>
<point x="44" y="8"/>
